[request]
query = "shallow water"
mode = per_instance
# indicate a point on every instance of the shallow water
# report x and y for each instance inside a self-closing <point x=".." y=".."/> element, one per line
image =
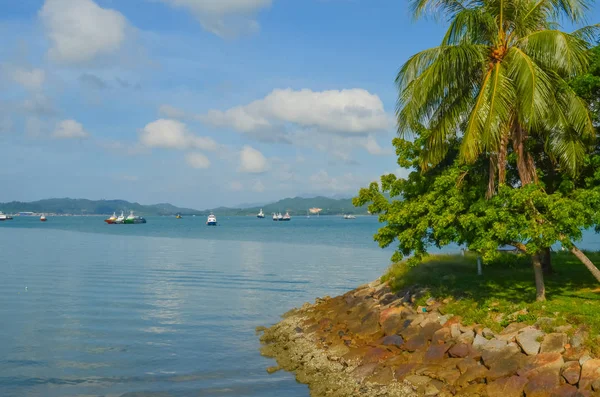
<point x="167" y="308"/>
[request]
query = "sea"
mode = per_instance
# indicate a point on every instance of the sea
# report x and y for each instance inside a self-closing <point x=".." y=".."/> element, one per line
<point x="170" y="307"/>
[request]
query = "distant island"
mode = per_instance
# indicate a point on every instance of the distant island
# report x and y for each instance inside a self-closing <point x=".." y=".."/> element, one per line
<point x="68" y="206"/>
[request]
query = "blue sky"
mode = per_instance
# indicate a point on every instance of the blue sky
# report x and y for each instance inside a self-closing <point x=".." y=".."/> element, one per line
<point x="200" y="103"/>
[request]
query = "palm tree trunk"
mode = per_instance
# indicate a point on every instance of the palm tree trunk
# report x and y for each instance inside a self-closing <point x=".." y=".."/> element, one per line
<point x="540" y="289"/>
<point x="492" y="177"/>
<point x="586" y="261"/>
<point x="525" y="164"/>
<point x="547" y="261"/>
<point x="502" y="159"/>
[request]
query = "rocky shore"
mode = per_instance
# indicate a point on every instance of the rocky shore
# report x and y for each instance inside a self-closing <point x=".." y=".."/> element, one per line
<point x="373" y="342"/>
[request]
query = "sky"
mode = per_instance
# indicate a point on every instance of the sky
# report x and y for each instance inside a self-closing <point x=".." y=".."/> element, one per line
<point x="200" y="103"/>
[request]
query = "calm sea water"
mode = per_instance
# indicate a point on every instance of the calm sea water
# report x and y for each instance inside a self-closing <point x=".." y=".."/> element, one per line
<point x="167" y="308"/>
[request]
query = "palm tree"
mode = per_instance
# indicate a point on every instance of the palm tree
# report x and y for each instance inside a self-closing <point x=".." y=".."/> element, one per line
<point x="497" y="79"/>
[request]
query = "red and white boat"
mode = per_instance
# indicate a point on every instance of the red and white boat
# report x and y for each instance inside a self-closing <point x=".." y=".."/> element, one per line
<point x="43" y="218"/>
<point x="112" y="219"/>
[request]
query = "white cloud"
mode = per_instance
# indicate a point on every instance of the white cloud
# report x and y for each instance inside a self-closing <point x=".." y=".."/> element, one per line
<point x="69" y="129"/>
<point x="258" y="187"/>
<point x="252" y="161"/>
<point x="31" y="79"/>
<point x="39" y="105"/>
<point x="173" y="134"/>
<point x="197" y="160"/>
<point x="373" y="147"/>
<point x="236" y="186"/>
<point x="225" y="18"/>
<point x="353" y="112"/>
<point x="80" y="30"/>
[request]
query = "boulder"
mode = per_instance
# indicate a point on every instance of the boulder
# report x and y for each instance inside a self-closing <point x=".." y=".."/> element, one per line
<point x="434" y="388"/>
<point x="376" y="354"/>
<point x="542" y="363"/>
<point x="479" y="341"/>
<point x="565" y="391"/>
<point x="455" y="330"/>
<point x="528" y="340"/>
<point x="429" y="329"/>
<point x="392" y="340"/>
<point x="460" y="350"/>
<point x="488" y="333"/>
<point x="418" y="380"/>
<point x="442" y="335"/>
<point x="571" y="372"/>
<point x="465" y="364"/>
<point x="475" y="373"/>
<point x="578" y="339"/>
<point x="417" y="342"/>
<point x="513" y="328"/>
<point x="563" y="328"/>
<point x="590" y="372"/>
<point x="363" y="371"/>
<point x="503" y="366"/>
<point x="542" y="384"/>
<point x="437" y="352"/>
<point x="507" y="387"/>
<point x="466" y="338"/>
<point x="403" y="370"/>
<point x="574" y="353"/>
<point x="554" y="343"/>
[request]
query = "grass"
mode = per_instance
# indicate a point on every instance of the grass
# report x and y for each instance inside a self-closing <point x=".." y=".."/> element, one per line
<point x="506" y="291"/>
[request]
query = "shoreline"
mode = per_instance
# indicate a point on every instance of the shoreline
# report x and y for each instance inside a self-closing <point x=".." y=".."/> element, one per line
<point x="373" y="342"/>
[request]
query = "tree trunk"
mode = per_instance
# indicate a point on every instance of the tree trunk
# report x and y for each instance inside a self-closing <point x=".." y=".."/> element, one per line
<point x="492" y="177"/>
<point x="547" y="261"/>
<point x="502" y="158"/>
<point x="525" y="164"/>
<point x="540" y="289"/>
<point x="587" y="262"/>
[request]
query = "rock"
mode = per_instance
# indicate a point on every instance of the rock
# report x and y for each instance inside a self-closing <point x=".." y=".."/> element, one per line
<point x="544" y="321"/>
<point x="479" y="341"/>
<point x="574" y="353"/>
<point x="590" y="372"/>
<point x="465" y="329"/>
<point x="415" y="343"/>
<point x="418" y="380"/>
<point x="392" y="340"/>
<point x="512" y="328"/>
<point x="542" y="363"/>
<point x="389" y="312"/>
<point x="403" y="370"/>
<point x="528" y="340"/>
<point x="272" y="370"/>
<point x="466" y="338"/>
<point x="465" y="364"/>
<point x="507" y="387"/>
<point x="434" y="388"/>
<point x="429" y="329"/>
<point x="441" y="336"/>
<point x="488" y="333"/>
<point x="444" y="319"/>
<point x="338" y="350"/>
<point x="476" y="373"/>
<point x="578" y="339"/>
<point x="455" y="330"/>
<point x="565" y="391"/>
<point x="504" y="365"/>
<point x="437" y="352"/>
<point x="430" y="301"/>
<point x="584" y="359"/>
<point x="376" y="354"/>
<point x="596" y="385"/>
<point x="542" y="384"/>
<point x="363" y="371"/>
<point x="570" y="372"/>
<point x="554" y="343"/>
<point x="460" y="350"/>
<point x="563" y="328"/>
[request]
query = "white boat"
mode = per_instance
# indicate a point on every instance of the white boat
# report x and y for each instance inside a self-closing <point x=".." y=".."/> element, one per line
<point x="43" y="218"/>
<point x="286" y="217"/>
<point x="275" y="217"/>
<point x="4" y="217"/>
<point x="212" y="220"/>
<point x="349" y="217"/>
<point x="261" y="214"/>
<point x="133" y="219"/>
<point x="279" y="216"/>
<point x="120" y="219"/>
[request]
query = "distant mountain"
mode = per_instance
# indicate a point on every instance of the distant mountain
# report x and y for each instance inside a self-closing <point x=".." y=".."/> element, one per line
<point x="295" y="205"/>
<point x="92" y="207"/>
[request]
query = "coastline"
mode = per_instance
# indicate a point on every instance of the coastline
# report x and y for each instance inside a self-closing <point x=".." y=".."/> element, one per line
<point x="373" y="342"/>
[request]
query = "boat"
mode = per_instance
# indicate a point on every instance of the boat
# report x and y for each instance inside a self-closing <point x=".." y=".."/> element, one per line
<point x="112" y="219"/>
<point x="133" y="219"/>
<point x="275" y="217"/>
<point x="279" y="216"/>
<point x="286" y="217"/>
<point x="261" y="214"/>
<point x="349" y="217"/>
<point x="4" y="217"/>
<point x="212" y="220"/>
<point x="178" y="216"/>
<point x="43" y="218"/>
<point x="120" y="219"/>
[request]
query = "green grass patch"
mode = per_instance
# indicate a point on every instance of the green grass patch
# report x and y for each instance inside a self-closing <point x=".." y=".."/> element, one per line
<point x="506" y="291"/>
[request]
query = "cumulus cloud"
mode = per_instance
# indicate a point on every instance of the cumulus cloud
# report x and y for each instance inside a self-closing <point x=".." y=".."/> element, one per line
<point x="353" y="112"/>
<point x="197" y="160"/>
<point x="225" y="18"/>
<point x="80" y="30"/>
<point x="173" y="134"/>
<point x="69" y="129"/>
<point x="373" y="147"/>
<point x="252" y="161"/>
<point x="31" y="79"/>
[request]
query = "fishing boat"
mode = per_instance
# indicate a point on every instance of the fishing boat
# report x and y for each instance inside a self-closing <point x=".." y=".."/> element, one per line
<point x="286" y="217"/>
<point x="212" y="220"/>
<point x="261" y="214"/>
<point x="275" y="217"/>
<point x="133" y="219"/>
<point x="279" y="216"/>
<point x="178" y="216"/>
<point x="43" y="218"/>
<point x="120" y="219"/>
<point x="112" y="219"/>
<point x="4" y="217"/>
<point x="349" y="216"/>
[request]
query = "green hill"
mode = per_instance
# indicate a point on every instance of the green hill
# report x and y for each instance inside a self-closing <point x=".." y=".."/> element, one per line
<point x="296" y="206"/>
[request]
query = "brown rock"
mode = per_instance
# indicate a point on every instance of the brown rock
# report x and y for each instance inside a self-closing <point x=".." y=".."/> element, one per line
<point x="542" y="384"/>
<point x="590" y="372"/>
<point x="391" y="311"/>
<point x="394" y="324"/>
<point x="554" y="343"/>
<point x="465" y="364"/>
<point x="507" y="387"/>
<point x="363" y="371"/>
<point x="376" y="354"/>
<point x="473" y="390"/>
<point x="528" y="340"/>
<point x="381" y="375"/>
<point x="504" y="366"/>
<point x="565" y="391"/>
<point x="571" y="372"/>
<point x="437" y="352"/>
<point x="543" y="362"/>
<point x="454" y="330"/>
<point x="460" y="350"/>
<point x="429" y="329"/>
<point x="417" y="342"/>
<point x="574" y="353"/>
<point x="418" y="380"/>
<point x="442" y="335"/>
<point x="467" y="338"/>
<point x="476" y="374"/>
<point x="403" y="370"/>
